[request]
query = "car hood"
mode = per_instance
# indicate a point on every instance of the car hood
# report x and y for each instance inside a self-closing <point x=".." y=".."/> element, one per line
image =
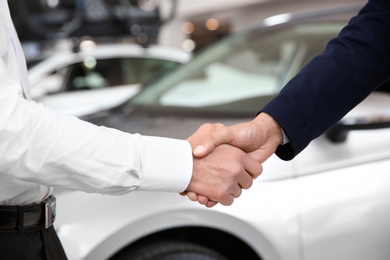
<point x="165" y="125"/>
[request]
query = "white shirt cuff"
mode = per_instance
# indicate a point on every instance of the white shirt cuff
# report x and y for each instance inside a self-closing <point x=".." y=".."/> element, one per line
<point x="167" y="164"/>
<point x="285" y="138"/>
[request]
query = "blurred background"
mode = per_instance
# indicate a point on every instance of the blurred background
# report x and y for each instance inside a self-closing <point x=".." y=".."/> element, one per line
<point x="52" y="25"/>
<point x="94" y="45"/>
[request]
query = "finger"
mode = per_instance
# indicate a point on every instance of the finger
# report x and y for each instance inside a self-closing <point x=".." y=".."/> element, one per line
<point x="203" y="200"/>
<point x="251" y="170"/>
<point x="227" y="200"/>
<point x="211" y="204"/>
<point x="192" y="196"/>
<point x="237" y="193"/>
<point x="244" y="181"/>
<point x="262" y="154"/>
<point x="229" y="195"/>
<point x="252" y="166"/>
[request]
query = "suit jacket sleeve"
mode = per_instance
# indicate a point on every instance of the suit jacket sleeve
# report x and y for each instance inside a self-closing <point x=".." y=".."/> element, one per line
<point x="352" y="65"/>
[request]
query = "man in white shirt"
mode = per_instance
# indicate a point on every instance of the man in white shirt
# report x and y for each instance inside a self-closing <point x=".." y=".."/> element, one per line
<point x="41" y="149"/>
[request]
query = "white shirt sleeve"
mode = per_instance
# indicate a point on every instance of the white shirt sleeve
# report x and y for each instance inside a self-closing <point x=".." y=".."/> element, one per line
<point x="42" y="146"/>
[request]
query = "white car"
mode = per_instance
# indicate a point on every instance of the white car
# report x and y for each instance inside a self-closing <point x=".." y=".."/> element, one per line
<point x="330" y="202"/>
<point x="101" y="77"/>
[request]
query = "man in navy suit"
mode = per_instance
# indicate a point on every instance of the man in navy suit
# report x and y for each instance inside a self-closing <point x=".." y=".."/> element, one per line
<point x="352" y="66"/>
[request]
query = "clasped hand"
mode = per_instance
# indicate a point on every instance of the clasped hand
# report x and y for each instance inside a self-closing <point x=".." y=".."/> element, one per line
<point x="228" y="158"/>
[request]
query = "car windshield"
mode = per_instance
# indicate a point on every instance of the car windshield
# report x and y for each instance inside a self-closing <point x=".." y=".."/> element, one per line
<point x="241" y="73"/>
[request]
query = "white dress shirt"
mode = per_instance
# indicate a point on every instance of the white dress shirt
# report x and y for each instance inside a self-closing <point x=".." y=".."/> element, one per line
<point x="41" y="149"/>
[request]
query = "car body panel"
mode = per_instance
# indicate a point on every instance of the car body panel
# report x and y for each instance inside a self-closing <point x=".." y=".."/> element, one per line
<point x="85" y="102"/>
<point x="344" y="212"/>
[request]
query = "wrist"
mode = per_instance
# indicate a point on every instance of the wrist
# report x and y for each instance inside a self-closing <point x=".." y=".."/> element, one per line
<point x="272" y="128"/>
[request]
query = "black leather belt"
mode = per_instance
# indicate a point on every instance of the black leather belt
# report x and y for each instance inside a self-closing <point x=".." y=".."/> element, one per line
<point x="19" y="218"/>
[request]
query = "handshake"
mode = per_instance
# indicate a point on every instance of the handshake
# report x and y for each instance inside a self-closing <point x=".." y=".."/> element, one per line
<point x="228" y="158"/>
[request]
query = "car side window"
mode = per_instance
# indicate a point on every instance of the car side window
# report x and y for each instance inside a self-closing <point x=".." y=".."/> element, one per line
<point x="94" y="74"/>
<point x="88" y="74"/>
<point x="141" y="70"/>
<point x="98" y="74"/>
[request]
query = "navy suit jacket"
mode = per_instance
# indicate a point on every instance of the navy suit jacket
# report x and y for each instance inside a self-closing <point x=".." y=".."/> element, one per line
<point x="352" y="66"/>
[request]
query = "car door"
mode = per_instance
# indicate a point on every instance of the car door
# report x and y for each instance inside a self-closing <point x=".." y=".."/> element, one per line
<point x="344" y="187"/>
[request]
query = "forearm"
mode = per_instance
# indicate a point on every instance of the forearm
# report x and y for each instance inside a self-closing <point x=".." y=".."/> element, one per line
<point x="272" y="131"/>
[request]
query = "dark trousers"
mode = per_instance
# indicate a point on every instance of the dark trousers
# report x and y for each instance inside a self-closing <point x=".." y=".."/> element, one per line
<point x="41" y="244"/>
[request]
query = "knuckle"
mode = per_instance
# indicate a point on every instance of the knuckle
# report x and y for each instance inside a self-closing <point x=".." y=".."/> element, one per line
<point x="237" y="170"/>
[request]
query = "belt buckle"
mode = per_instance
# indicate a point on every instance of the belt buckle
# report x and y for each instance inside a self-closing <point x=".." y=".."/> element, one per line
<point x="50" y="211"/>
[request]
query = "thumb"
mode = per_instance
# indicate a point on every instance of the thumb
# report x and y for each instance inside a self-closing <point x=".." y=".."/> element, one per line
<point x="206" y="138"/>
<point x="203" y="150"/>
<point x="263" y="153"/>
